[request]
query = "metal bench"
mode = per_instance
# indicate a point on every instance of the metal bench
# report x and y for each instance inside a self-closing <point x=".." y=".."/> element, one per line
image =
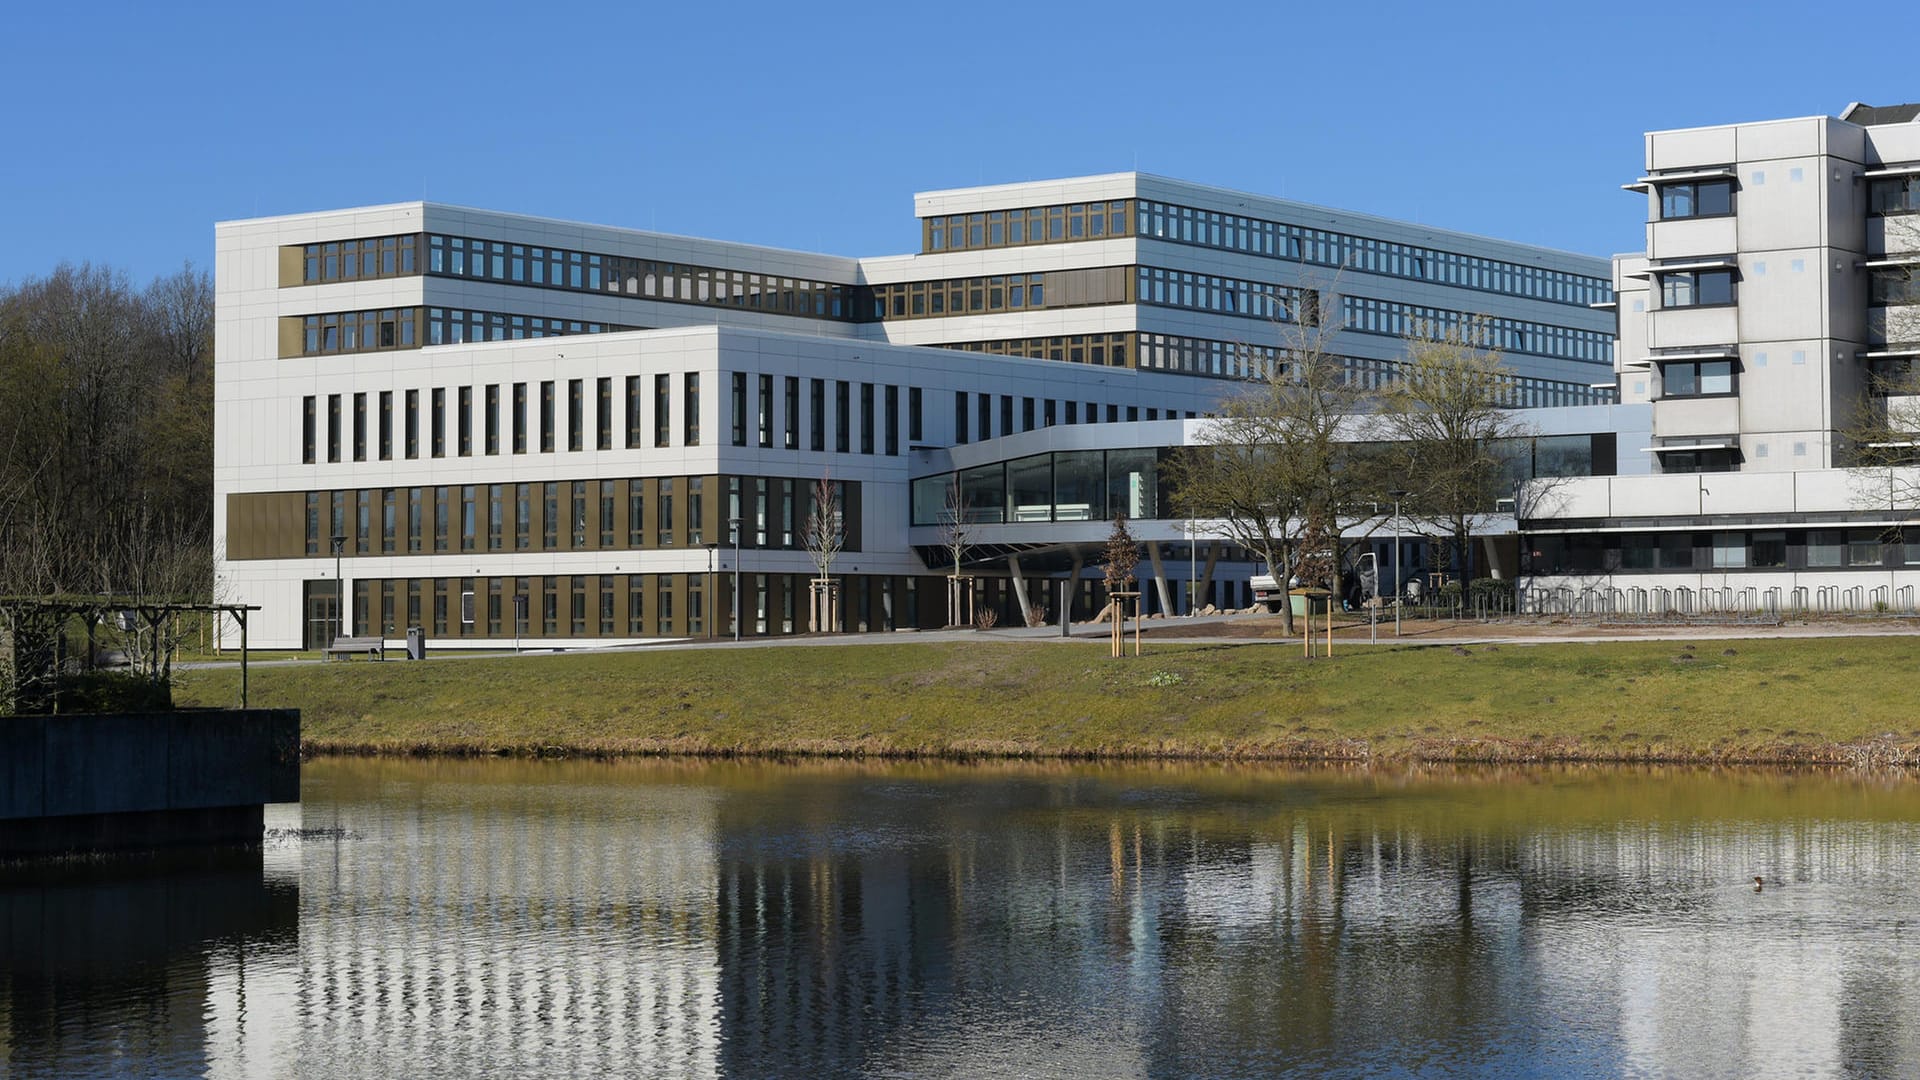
<point x="348" y="646"/>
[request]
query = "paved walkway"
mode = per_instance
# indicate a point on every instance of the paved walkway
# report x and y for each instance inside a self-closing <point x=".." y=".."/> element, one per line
<point x="1168" y="632"/>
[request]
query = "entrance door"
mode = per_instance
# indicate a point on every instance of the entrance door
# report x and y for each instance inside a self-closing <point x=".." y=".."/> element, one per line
<point x="322" y="607"/>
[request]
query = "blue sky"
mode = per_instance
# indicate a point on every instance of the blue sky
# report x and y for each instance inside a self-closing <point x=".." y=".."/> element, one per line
<point x="131" y="129"/>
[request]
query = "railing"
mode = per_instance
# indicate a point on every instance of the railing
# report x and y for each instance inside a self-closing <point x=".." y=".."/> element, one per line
<point x="1709" y="604"/>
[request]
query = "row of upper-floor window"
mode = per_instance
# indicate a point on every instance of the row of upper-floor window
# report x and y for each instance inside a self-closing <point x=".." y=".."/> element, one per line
<point x="961" y="296"/>
<point x="1325" y="247"/>
<point x="1030" y="225"/>
<point x="1237" y="360"/>
<point x="1099" y="350"/>
<point x="1893" y="195"/>
<point x="642" y="513"/>
<point x="511" y="417"/>
<point x="1227" y="296"/>
<point x="535" y="417"/>
<point x="1506" y="335"/>
<point x="402" y="328"/>
<point x="974" y="413"/>
<point x="1892" y="286"/>
<point x="1696" y="199"/>
<point x="1746" y="549"/>
<point x="559" y="268"/>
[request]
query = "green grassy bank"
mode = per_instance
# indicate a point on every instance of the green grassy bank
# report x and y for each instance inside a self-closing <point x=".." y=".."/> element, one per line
<point x="1830" y="701"/>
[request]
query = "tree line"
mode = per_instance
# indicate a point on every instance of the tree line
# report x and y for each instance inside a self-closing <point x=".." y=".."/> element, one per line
<point x="106" y="434"/>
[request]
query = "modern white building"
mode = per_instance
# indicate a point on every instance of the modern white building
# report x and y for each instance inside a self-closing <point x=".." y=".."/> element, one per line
<point x="1777" y="281"/>
<point x="434" y="411"/>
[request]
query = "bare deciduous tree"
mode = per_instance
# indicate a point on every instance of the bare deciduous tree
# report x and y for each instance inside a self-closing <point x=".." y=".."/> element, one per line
<point x="823" y="535"/>
<point x="1446" y="426"/>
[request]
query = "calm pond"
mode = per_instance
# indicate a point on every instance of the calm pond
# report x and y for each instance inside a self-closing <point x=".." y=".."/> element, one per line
<point x="648" y="918"/>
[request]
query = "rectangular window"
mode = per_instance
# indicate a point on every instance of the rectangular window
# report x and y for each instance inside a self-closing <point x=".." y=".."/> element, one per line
<point x="696" y="511"/>
<point x="386" y="425"/>
<point x="663" y="605"/>
<point x="1826" y="548"/>
<point x="662" y="414"/>
<point x="1697" y="288"/>
<point x="765" y="416"/>
<point x="636" y="514"/>
<point x="1893" y="286"/>
<point x="1893" y="195"/>
<point x="914" y="424"/>
<point x="550" y="516"/>
<point x="439" y="422"/>
<point x="690" y="410"/>
<point x="842" y="415"/>
<point x="634" y="405"/>
<point x="546" y="417"/>
<point x="577" y="517"/>
<point x="984" y="412"/>
<point x="791" y="434"/>
<point x="1006" y="414"/>
<point x="496" y="517"/>
<point x="522" y="517"/>
<point x="1729" y="551"/>
<point x="609" y="519"/>
<point x="892" y="412"/>
<point x="519" y="418"/>
<point x="308" y="433"/>
<point x="603" y="414"/>
<point x="1864" y="549"/>
<point x="576" y="415"/>
<point x="492" y="418"/>
<point x="739" y="408"/>
<point x="959" y="416"/>
<point x="1710" y="378"/>
<point x="866" y="418"/>
<point x="663" y="530"/>
<point x="817" y="414"/>
<point x="333" y="427"/>
<point x="1701" y="198"/>
<point x="1026" y="414"/>
<point x="469" y="524"/>
<point x="442" y="517"/>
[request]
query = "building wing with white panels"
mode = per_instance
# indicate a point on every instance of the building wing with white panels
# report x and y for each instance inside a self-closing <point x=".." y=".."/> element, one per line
<point x="1776" y="284"/>
<point x="501" y="428"/>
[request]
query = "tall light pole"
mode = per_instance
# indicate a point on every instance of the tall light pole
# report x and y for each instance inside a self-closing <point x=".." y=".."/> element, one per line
<point x="339" y="591"/>
<point x="733" y="526"/>
<point x="1399" y="589"/>
<point x="711" y="549"/>
<point x="1193" y="572"/>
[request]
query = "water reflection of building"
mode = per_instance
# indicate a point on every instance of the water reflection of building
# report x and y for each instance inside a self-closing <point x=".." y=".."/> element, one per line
<point x="523" y="929"/>
<point x="115" y="961"/>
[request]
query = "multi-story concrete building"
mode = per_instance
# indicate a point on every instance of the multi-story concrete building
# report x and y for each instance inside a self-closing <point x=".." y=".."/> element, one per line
<point x="1776" y="283"/>
<point x="433" y="411"/>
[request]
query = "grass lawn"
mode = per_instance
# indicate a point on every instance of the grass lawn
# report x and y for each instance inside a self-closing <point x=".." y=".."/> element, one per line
<point x="1841" y="701"/>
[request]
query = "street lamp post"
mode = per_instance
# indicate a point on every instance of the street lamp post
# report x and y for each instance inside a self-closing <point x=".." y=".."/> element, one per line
<point x="1399" y="588"/>
<point x="1193" y="572"/>
<point x="711" y="549"/>
<point x="733" y="526"/>
<point x="339" y="590"/>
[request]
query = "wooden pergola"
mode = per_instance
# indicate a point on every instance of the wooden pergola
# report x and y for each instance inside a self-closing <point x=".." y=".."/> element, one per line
<point x="41" y="620"/>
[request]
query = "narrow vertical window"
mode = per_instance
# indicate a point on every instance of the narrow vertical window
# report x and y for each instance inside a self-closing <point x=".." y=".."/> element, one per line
<point x="437" y="422"/>
<point x="636" y="514"/>
<point x="576" y="415"/>
<point x="842" y="422"/>
<point x="546" y="417"/>
<point x="519" y="418"/>
<point x="739" y="407"/>
<point x="662" y="410"/>
<point x="333" y="427"/>
<point x="765" y="418"/>
<point x="696" y="511"/>
<point x="550" y="516"/>
<point x="959" y="416"/>
<point x="690" y="410"/>
<point x="603" y="414"/>
<point x="413" y="424"/>
<point x="664" y="508"/>
<point x="608" y="519"/>
<point x="634" y="421"/>
<point x="308" y="434"/>
<point x="386" y="425"/>
<point x="817" y="418"/>
<point x="463" y="420"/>
<point x="866" y="418"/>
<point x="914" y="424"/>
<point x="577" y="516"/>
<point x="892" y="421"/>
<point x="791" y="434"/>
<point x="491" y="409"/>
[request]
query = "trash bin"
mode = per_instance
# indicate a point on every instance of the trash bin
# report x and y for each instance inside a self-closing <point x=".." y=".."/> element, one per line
<point x="416" y="643"/>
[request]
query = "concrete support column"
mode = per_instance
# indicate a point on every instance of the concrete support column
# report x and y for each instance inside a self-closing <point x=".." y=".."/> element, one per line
<point x="1019" y="586"/>
<point x="1160" y="580"/>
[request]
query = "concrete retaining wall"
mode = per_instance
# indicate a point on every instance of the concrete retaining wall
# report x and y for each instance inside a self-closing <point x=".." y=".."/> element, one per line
<point x="100" y="781"/>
